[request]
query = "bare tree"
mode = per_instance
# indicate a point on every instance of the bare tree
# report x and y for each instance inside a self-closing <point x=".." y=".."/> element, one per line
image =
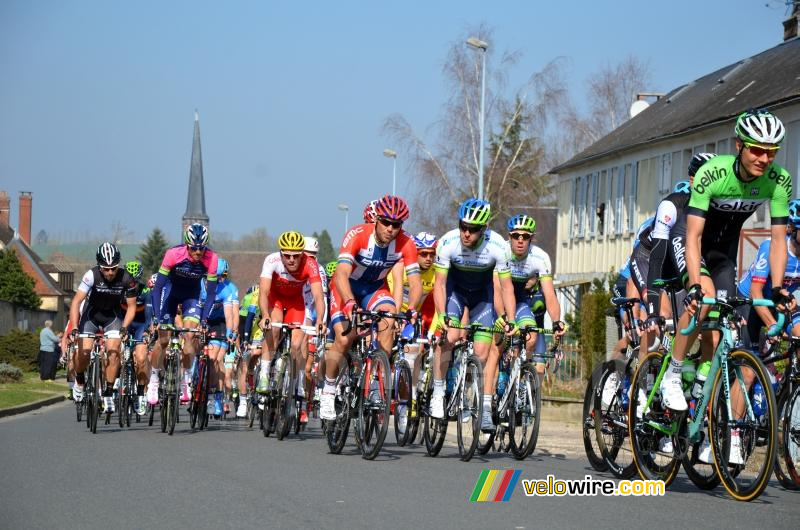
<point x="446" y="169"/>
<point x="120" y="233"/>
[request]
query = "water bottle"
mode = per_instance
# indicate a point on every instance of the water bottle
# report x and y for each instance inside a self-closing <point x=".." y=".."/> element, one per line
<point x="699" y="381"/>
<point x="688" y="375"/>
<point x="502" y="382"/>
<point x="624" y="399"/>
<point x="451" y="379"/>
<point x="758" y="399"/>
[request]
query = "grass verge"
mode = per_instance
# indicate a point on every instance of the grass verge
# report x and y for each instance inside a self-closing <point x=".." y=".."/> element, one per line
<point x="30" y="389"/>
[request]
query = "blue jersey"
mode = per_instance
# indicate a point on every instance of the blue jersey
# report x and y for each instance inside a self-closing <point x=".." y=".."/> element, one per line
<point x="625" y="270"/>
<point x="759" y="271"/>
<point x="227" y="294"/>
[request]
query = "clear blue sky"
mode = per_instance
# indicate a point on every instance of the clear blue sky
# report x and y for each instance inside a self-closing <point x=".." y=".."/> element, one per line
<point x="97" y="98"/>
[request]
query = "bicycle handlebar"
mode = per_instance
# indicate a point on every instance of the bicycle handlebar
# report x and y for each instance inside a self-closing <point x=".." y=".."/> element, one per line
<point x="756" y="302"/>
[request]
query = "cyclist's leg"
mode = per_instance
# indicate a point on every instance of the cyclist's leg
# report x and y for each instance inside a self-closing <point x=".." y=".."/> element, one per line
<point x="140" y="360"/>
<point x="80" y="360"/>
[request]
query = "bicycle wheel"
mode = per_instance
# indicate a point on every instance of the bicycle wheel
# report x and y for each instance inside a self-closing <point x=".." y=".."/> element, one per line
<point x="372" y="422"/>
<point x="469" y="409"/>
<point x="590" y="446"/>
<point x="94" y="398"/>
<point x="611" y="425"/>
<point x="524" y="413"/>
<point x="79" y="409"/>
<point x="285" y="414"/>
<point x="336" y="430"/>
<point x="252" y="409"/>
<point x="743" y="470"/>
<point x="151" y="412"/>
<point x="787" y="460"/>
<point x="645" y="438"/>
<point x="402" y="402"/>
<point x="703" y="475"/>
<point x="172" y="413"/>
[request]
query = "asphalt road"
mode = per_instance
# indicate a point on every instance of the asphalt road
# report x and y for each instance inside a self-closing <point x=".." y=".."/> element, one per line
<point x="57" y="474"/>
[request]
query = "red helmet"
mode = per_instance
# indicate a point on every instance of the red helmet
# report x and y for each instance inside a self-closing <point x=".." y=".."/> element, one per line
<point x="369" y="212"/>
<point x="391" y="207"/>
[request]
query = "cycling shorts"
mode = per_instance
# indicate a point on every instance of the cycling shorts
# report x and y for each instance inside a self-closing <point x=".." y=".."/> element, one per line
<point x="217" y="333"/>
<point x="137" y="329"/>
<point x="293" y="307"/>
<point x="190" y="308"/>
<point x="94" y="321"/>
<point x="366" y="298"/>
<point x="479" y="303"/>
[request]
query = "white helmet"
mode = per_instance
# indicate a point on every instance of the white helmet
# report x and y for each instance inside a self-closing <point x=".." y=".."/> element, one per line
<point x="760" y="127"/>
<point x="312" y="245"/>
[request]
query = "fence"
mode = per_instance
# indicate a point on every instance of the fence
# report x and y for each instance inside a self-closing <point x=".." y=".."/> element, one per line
<point x="12" y="317"/>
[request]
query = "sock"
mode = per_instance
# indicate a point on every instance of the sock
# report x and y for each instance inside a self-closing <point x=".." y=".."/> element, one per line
<point x="330" y="386"/>
<point x="154" y="375"/>
<point x="438" y="386"/>
<point x="487" y="402"/>
<point x="674" y="370"/>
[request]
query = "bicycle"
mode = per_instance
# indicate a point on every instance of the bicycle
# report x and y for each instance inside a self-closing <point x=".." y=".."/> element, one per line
<point x="95" y="379"/>
<point x="401" y="387"/>
<point x="787" y="459"/>
<point x="516" y="409"/>
<point x="169" y="389"/>
<point x="126" y="394"/>
<point x="744" y="481"/>
<point x="198" y="402"/>
<point x="80" y="405"/>
<point x="463" y="398"/>
<point x="282" y="407"/>
<point x="363" y="387"/>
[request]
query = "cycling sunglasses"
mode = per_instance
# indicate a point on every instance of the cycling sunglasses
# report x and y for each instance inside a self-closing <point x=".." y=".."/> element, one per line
<point x="520" y="235"/>
<point x="472" y="229"/>
<point x="761" y="150"/>
<point x="388" y="222"/>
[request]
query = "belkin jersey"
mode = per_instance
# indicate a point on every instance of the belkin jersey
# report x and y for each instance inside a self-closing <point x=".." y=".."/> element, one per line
<point x="759" y="271"/>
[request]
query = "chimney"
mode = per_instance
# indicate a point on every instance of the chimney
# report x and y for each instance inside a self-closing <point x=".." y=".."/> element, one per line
<point x="5" y="210"/>
<point x="790" y="24"/>
<point x="25" y="207"/>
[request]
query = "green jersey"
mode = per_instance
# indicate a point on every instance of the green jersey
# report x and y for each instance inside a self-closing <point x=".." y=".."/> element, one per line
<point x="726" y="202"/>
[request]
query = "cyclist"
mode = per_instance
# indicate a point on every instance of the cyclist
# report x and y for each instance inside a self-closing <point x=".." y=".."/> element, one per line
<point x="141" y="323"/>
<point x="726" y="191"/>
<point x="465" y="259"/>
<point x="283" y="277"/>
<point x="178" y="284"/>
<point x="532" y="278"/>
<point x="103" y="287"/>
<point x="426" y="253"/>
<point x="222" y="325"/>
<point x="369" y="212"/>
<point x="310" y="346"/>
<point x="757" y="282"/>
<point x="367" y="255"/>
<point x="251" y="336"/>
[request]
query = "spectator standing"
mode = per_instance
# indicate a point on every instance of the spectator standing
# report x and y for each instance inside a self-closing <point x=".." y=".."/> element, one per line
<point x="47" y="351"/>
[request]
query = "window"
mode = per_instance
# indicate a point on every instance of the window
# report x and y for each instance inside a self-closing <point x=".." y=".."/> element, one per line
<point x="679" y="164"/>
<point x="611" y="214"/>
<point x="665" y="173"/>
<point x="722" y="147"/>
<point x="592" y="209"/>
<point x="583" y="185"/>
<point x="630" y="195"/>
<point x="619" y="201"/>
<point x="601" y="208"/>
<point x="572" y="213"/>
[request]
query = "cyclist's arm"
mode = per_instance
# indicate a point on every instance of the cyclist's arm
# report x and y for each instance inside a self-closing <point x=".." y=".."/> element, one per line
<point x="264" y="285"/>
<point x="130" y="312"/>
<point x="664" y="221"/>
<point x="757" y="291"/>
<point x="341" y="280"/>
<point x="319" y="303"/>
<point x="395" y="281"/>
<point x="440" y="292"/>
<point x="778" y="254"/>
<point x="694" y="232"/>
<point x="248" y="323"/>
<point x="550" y="299"/>
<point x="498" y="298"/>
<point x="509" y="302"/>
<point x="80" y="296"/>
<point x="414" y="290"/>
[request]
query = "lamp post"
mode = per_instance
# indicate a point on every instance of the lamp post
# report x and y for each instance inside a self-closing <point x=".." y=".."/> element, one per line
<point x="391" y="153"/>
<point x="482" y="46"/>
<point x="346" y="209"/>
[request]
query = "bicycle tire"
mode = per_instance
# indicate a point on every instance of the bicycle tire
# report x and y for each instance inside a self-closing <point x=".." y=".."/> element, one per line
<point x="402" y="382"/>
<point x="336" y="430"/>
<point x="609" y="430"/>
<point x="252" y="409"/>
<point x="470" y="402"/>
<point x="702" y="475"/>
<point x="650" y="464"/>
<point x="151" y="412"/>
<point x="372" y="421"/>
<point x="590" y="446"/>
<point x="79" y="409"/>
<point x="526" y="413"/>
<point x="285" y="399"/>
<point x="787" y="458"/>
<point x="97" y="384"/>
<point x="740" y="481"/>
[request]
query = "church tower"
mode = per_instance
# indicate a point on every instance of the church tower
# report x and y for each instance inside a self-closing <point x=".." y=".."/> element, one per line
<point x="196" y="198"/>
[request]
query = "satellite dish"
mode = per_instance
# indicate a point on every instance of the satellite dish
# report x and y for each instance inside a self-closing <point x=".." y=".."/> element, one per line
<point x="638" y="106"/>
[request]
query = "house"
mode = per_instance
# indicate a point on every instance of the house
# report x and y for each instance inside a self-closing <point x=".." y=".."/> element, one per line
<point x="53" y="285"/>
<point x="608" y="189"/>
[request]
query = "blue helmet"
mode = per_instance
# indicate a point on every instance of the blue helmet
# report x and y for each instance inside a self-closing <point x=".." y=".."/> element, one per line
<point x="196" y="235"/>
<point x="425" y="240"/>
<point x="222" y="266"/>
<point x="475" y="211"/>
<point x="682" y="186"/>
<point x="794" y="213"/>
<point x="522" y="223"/>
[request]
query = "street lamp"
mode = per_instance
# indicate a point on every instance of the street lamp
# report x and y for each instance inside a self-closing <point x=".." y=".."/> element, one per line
<point x="391" y="153"/>
<point x="480" y="45"/>
<point x="346" y="209"/>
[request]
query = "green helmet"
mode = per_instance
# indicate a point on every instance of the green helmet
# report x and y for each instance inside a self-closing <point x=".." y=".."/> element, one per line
<point x="759" y="127"/>
<point x="330" y="267"/>
<point x="475" y="211"/>
<point x="134" y="268"/>
<point x="521" y="222"/>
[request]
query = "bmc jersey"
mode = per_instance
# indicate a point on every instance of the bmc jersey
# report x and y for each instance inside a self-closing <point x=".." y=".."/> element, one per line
<point x="759" y="271"/>
<point x="185" y="274"/>
<point x="107" y="296"/>
<point x="371" y="261"/>
<point x="286" y="284"/>
<point x="535" y="264"/>
<point x="726" y="201"/>
<point x="470" y="269"/>
<point x="227" y="294"/>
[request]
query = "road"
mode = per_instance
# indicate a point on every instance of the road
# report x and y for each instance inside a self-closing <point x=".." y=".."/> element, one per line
<point x="57" y="474"/>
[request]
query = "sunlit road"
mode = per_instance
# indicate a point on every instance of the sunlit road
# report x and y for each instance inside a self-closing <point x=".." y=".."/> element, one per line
<point x="57" y="474"/>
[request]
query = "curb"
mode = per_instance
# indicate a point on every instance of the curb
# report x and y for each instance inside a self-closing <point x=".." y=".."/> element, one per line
<point x="27" y="407"/>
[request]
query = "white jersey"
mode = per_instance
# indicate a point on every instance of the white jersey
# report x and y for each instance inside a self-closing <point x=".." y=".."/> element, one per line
<point x="471" y="268"/>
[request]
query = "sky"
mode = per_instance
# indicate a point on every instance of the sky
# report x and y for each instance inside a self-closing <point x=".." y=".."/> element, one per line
<point x="97" y="98"/>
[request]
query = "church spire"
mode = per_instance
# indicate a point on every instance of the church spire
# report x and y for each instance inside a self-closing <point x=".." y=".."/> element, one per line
<point x="196" y="198"/>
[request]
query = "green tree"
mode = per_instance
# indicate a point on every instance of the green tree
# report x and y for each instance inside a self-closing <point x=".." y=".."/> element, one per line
<point x="326" y="251"/>
<point x="15" y="285"/>
<point x="152" y="252"/>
